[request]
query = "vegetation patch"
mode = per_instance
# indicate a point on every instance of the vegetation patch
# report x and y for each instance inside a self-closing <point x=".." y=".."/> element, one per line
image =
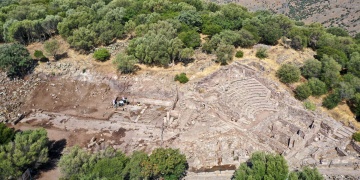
<point x="239" y="54"/>
<point x="101" y="54"/>
<point x="356" y="136"/>
<point x="261" y="53"/>
<point x="309" y="105"/>
<point x="182" y="78"/>
<point x="288" y="73"/>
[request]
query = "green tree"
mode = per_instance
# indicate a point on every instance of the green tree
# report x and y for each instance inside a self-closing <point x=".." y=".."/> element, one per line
<point x="330" y="71"/>
<point x="345" y="90"/>
<point x="331" y="101"/>
<point x="191" y="18"/>
<point x="82" y="38"/>
<point x="191" y="39"/>
<point x="211" y="29"/>
<point x="29" y="150"/>
<point x="186" y="54"/>
<point x="308" y="173"/>
<point x="288" y="73"/>
<point x="338" y="55"/>
<point x="311" y="68"/>
<point x="15" y="60"/>
<point x="337" y="31"/>
<point x="354" y="64"/>
<point x="76" y="162"/>
<point x="52" y="47"/>
<point x="356" y="136"/>
<point x="136" y="167"/>
<point x="6" y="134"/>
<point x="302" y="91"/>
<point x="317" y="87"/>
<point x="125" y="63"/>
<point x="101" y="54"/>
<point x="246" y="39"/>
<point x="111" y="167"/>
<point x="168" y="163"/>
<point x="224" y="53"/>
<point x="263" y="166"/>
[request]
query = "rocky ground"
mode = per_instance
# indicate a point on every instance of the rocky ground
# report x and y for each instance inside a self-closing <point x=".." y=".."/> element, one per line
<point x="343" y="13"/>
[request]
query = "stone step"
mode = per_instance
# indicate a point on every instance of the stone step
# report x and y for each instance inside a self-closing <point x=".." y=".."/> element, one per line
<point x="348" y="130"/>
<point x="338" y="135"/>
<point x="340" y="131"/>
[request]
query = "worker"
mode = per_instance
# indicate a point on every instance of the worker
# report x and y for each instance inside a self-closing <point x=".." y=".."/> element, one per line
<point x="121" y="103"/>
<point x="114" y="103"/>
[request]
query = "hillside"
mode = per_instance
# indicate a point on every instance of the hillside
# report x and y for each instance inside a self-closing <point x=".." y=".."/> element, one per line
<point x="162" y="89"/>
<point x="342" y="13"/>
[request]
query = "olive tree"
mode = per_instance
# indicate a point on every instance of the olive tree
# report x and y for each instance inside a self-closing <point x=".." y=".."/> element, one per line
<point x="288" y="73"/>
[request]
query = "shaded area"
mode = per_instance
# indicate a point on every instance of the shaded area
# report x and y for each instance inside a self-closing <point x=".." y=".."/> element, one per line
<point x="55" y="153"/>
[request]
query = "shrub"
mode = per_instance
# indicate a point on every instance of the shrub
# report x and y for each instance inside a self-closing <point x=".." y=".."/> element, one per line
<point x="6" y="134"/>
<point x="309" y="105"/>
<point x="52" y="47"/>
<point x="101" y="54"/>
<point x="261" y="53"/>
<point x="125" y="63"/>
<point x="182" y="78"/>
<point x="38" y="54"/>
<point x="239" y="54"/>
<point x="15" y="60"/>
<point x="288" y="73"/>
<point x="302" y="92"/>
<point x="311" y="68"/>
<point x="331" y="101"/>
<point x="317" y="87"/>
<point x="356" y="136"/>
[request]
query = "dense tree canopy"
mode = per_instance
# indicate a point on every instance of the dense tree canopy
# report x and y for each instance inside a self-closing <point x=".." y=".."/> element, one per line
<point x="6" y="134"/>
<point x="15" y="59"/>
<point x="111" y="164"/>
<point x="28" y="150"/>
<point x="265" y="166"/>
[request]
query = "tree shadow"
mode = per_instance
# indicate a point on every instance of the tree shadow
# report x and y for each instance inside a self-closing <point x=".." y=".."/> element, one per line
<point x="61" y="56"/>
<point x="55" y="152"/>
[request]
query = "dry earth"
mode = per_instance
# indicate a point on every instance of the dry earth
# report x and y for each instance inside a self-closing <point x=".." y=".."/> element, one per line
<point x="343" y="13"/>
<point x="221" y="116"/>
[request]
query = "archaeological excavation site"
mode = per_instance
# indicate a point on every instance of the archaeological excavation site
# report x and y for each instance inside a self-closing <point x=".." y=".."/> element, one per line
<point x="217" y="119"/>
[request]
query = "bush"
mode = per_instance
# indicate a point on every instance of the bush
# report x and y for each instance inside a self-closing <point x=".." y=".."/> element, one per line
<point x="39" y="54"/>
<point x="331" y="101"/>
<point x="261" y="53"/>
<point x="263" y="166"/>
<point x="239" y="54"/>
<point x="309" y="105"/>
<point x="182" y="78"/>
<point x="317" y="87"/>
<point x="6" y="134"/>
<point x="288" y="73"/>
<point x="311" y="68"/>
<point x="125" y="63"/>
<point x="101" y="54"/>
<point x="302" y="92"/>
<point x="356" y="136"/>
<point x="15" y="60"/>
<point x="191" y="38"/>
